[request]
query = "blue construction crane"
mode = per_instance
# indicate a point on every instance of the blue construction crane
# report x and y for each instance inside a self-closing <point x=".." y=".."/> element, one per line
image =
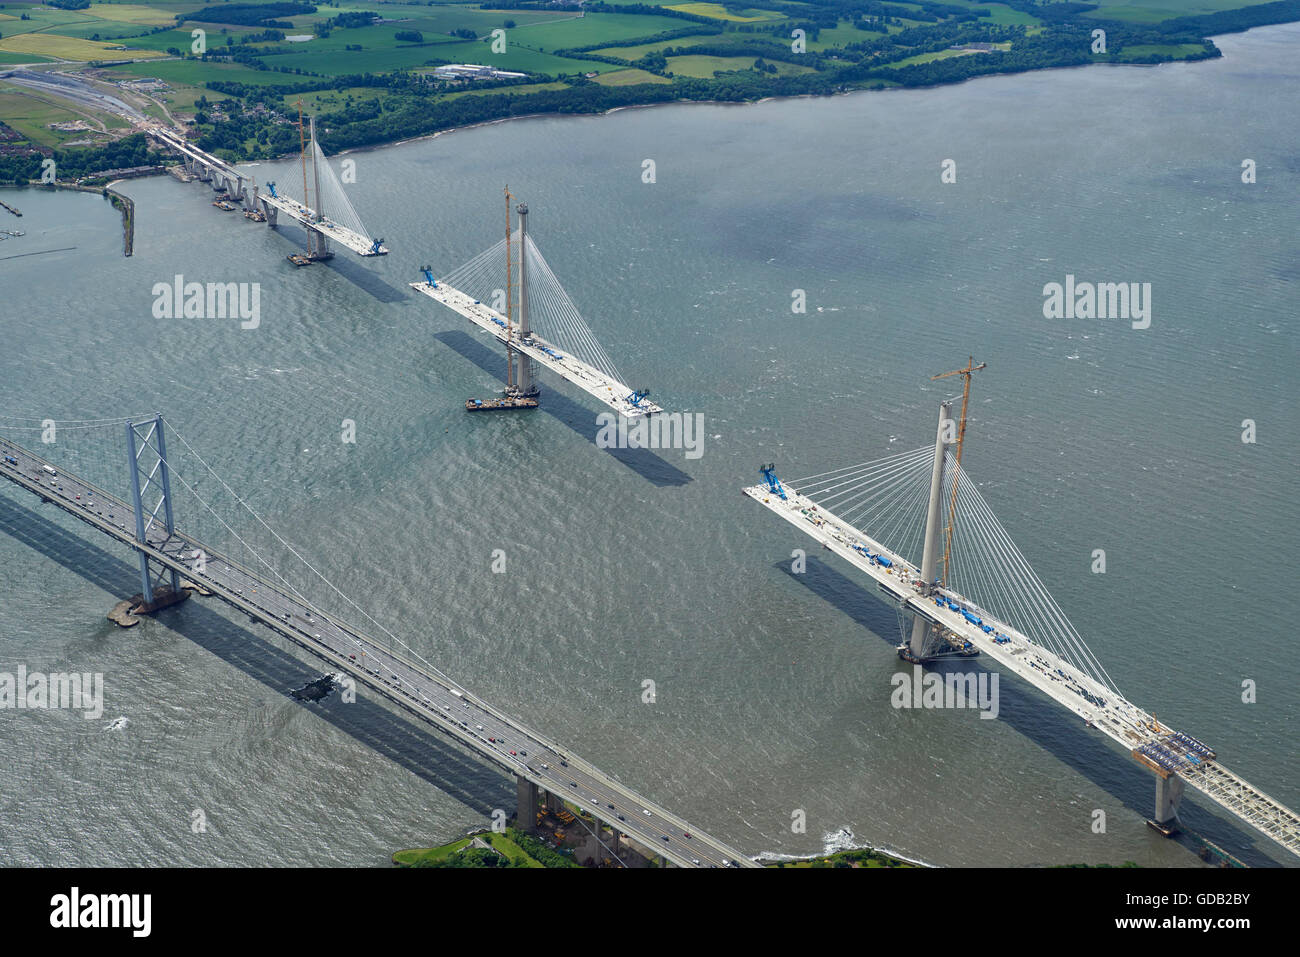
<point x="428" y="274"/>
<point x="636" y="397"/>
<point x="271" y="186"/>
<point x="375" y="244"/>
<point x="773" y="483"/>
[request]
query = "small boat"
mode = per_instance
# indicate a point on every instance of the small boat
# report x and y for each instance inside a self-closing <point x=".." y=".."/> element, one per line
<point x="298" y="259"/>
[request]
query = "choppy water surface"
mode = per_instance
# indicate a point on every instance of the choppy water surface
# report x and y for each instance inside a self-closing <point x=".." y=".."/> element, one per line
<point x="772" y="689"/>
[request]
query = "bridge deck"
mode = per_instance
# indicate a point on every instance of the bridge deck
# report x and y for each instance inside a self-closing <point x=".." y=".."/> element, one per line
<point x="185" y="148"/>
<point x="326" y="227"/>
<point x="568" y="367"/>
<point x="1116" y="717"/>
<point x="453" y="711"/>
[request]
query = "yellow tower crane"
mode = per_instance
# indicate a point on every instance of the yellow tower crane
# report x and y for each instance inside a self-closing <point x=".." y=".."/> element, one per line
<point x="966" y="373"/>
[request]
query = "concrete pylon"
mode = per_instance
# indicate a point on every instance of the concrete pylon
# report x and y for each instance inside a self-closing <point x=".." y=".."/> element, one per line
<point x="933" y="519"/>
<point x="1169" y="791"/>
<point x="525" y="381"/>
<point x="526" y="813"/>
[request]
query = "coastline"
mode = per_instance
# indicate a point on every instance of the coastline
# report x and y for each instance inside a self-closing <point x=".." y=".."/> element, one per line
<point x="686" y="101"/>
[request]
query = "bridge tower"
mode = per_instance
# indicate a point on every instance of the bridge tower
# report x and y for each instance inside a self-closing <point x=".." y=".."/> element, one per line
<point x="150" y="475"/>
<point x="933" y="527"/>
<point x="526" y="382"/>
<point x="317" y="245"/>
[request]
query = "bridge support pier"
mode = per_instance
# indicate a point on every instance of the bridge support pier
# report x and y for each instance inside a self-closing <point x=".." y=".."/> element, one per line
<point x="1169" y="791"/>
<point x="526" y="813"/>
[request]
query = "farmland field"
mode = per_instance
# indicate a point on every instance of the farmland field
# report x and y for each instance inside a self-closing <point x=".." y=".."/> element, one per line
<point x="630" y="78"/>
<point x="65" y="48"/>
<point x="718" y="12"/>
<point x="704" y="66"/>
<point x="324" y="62"/>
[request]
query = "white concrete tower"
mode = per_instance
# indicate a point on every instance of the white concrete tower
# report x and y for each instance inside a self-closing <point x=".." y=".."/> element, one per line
<point x="933" y="523"/>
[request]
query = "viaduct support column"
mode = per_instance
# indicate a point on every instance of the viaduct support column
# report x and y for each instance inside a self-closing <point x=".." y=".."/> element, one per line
<point x="526" y="817"/>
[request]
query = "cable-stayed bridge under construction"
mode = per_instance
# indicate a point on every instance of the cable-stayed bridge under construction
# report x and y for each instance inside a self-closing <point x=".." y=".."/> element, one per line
<point x="534" y="318"/>
<point x="325" y="212"/>
<point x="916" y="525"/>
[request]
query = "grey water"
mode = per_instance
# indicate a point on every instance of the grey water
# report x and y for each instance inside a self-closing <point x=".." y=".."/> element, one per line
<point x="772" y="689"/>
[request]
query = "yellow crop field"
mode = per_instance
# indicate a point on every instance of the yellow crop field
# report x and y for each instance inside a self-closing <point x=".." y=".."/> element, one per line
<point x="133" y="13"/>
<point x="69" y="48"/>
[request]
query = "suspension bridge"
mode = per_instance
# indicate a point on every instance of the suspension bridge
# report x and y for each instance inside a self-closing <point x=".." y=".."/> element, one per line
<point x="174" y="563"/>
<point x="323" y="191"/>
<point x="961" y="588"/>
<point x="537" y="322"/>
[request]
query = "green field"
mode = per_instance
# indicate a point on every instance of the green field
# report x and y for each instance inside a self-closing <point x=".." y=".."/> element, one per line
<point x="592" y="29"/>
<point x="718" y="12"/>
<point x="641" y="49"/>
<point x="839" y="36"/>
<point x="705" y="66"/>
<point x="931" y="57"/>
<point x="999" y="13"/>
<point x="1153" y="11"/>
<point x="147" y="30"/>
<point x="31" y="115"/>
<point x="630" y="78"/>
<point x="22" y="58"/>
<point x="521" y="90"/>
<point x="194" y="73"/>
<point x="1141" y="51"/>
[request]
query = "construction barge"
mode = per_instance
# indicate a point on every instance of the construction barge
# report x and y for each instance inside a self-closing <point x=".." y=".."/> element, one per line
<point x="508" y="402"/>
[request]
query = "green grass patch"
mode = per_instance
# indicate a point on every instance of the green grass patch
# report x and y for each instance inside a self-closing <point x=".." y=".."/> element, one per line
<point x="856" y="858"/>
<point x="519" y="849"/>
<point x="427" y="855"/>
